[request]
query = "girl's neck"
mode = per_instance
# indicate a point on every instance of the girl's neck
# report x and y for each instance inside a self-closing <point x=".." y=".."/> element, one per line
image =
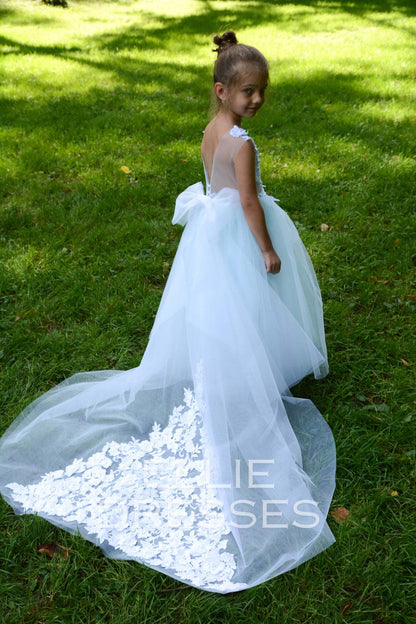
<point x="226" y="116"/>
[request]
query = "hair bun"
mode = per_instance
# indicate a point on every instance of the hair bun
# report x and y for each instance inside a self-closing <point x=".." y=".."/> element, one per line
<point x="226" y="40"/>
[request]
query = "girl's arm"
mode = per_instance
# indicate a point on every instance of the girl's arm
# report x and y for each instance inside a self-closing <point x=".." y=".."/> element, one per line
<point x="253" y="210"/>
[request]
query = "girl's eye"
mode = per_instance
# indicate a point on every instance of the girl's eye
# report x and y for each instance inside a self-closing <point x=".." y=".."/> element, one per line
<point x="248" y="91"/>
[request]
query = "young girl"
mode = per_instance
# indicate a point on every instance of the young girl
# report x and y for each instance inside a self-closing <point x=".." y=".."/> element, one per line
<point x="200" y="463"/>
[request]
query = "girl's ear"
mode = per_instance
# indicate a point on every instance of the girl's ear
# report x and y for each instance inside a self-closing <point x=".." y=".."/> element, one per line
<point x="220" y="91"/>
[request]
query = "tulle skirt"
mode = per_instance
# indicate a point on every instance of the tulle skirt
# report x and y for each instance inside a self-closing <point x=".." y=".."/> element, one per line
<point x="198" y="463"/>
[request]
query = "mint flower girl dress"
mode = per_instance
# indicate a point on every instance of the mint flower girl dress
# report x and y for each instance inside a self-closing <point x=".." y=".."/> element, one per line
<point x="198" y="463"/>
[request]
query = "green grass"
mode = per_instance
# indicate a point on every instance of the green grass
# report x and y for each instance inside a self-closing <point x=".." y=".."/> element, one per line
<point x="85" y="252"/>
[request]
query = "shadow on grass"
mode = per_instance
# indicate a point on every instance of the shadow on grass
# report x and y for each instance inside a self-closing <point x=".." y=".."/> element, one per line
<point x="6" y="11"/>
<point x="169" y="103"/>
<point x="10" y="46"/>
<point x="357" y="7"/>
<point x="163" y="103"/>
<point x="182" y="34"/>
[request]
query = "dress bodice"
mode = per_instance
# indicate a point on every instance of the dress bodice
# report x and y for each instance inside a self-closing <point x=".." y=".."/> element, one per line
<point x="223" y="168"/>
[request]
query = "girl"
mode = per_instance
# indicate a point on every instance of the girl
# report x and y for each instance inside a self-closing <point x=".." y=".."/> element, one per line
<point x="200" y="463"/>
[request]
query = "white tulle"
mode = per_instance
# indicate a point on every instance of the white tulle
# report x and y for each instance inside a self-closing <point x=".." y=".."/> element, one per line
<point x="199" y="462"/>
<point x="148" y="499"/>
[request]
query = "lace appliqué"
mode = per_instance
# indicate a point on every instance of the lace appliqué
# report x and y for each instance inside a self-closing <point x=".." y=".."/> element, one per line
<point x="147" y="498"/>
<point x="238" y="132"/>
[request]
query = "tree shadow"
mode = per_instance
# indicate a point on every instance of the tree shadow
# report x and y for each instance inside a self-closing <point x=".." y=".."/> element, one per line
<point x="10" y="46"/>
<point x="166" y="103"/>
<point x="6" y="11"/>
<point x="179" y="33"/>
<point x="358" y="7"/>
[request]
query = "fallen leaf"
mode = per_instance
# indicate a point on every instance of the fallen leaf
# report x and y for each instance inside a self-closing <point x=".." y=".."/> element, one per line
<point x="382" y="407"/>
<point x="184" y="160"/>
<point x="346" y="607"/>
<point x="17" y="318"/>
<point x="324" y="227"/>
<point x="393" y="493"/>
<point x="125" y="169"/>
<point x="50" y="549"/>
<point x="405" y="362"/>
<point x="166" y="265"/>
<point x="340" y="514"/>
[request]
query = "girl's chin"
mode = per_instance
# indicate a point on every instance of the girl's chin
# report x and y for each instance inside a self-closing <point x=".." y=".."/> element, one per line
<point x="250" y="112"/>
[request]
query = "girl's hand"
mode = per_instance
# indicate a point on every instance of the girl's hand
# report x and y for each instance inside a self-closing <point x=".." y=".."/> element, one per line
<point x="272" y="261"/>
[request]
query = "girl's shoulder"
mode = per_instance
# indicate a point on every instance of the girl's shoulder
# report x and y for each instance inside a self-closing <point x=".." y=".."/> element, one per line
<point x="215" y="132"/>
<point x="240" y="133"/>
<point x="233" y="140"/>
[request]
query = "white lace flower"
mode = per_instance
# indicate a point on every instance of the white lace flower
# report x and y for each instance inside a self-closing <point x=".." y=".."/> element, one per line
<point x="147" y="498"/>
<point x="238" y="132"/>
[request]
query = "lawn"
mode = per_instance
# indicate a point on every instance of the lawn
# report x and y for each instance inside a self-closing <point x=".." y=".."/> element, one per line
<point x="101" y="113"/>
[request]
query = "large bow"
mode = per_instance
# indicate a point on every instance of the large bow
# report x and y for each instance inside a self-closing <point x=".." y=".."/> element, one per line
<point x="187" y="201"/>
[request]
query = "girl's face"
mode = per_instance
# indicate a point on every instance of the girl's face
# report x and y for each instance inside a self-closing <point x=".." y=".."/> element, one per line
<point x="246" y="96"/>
